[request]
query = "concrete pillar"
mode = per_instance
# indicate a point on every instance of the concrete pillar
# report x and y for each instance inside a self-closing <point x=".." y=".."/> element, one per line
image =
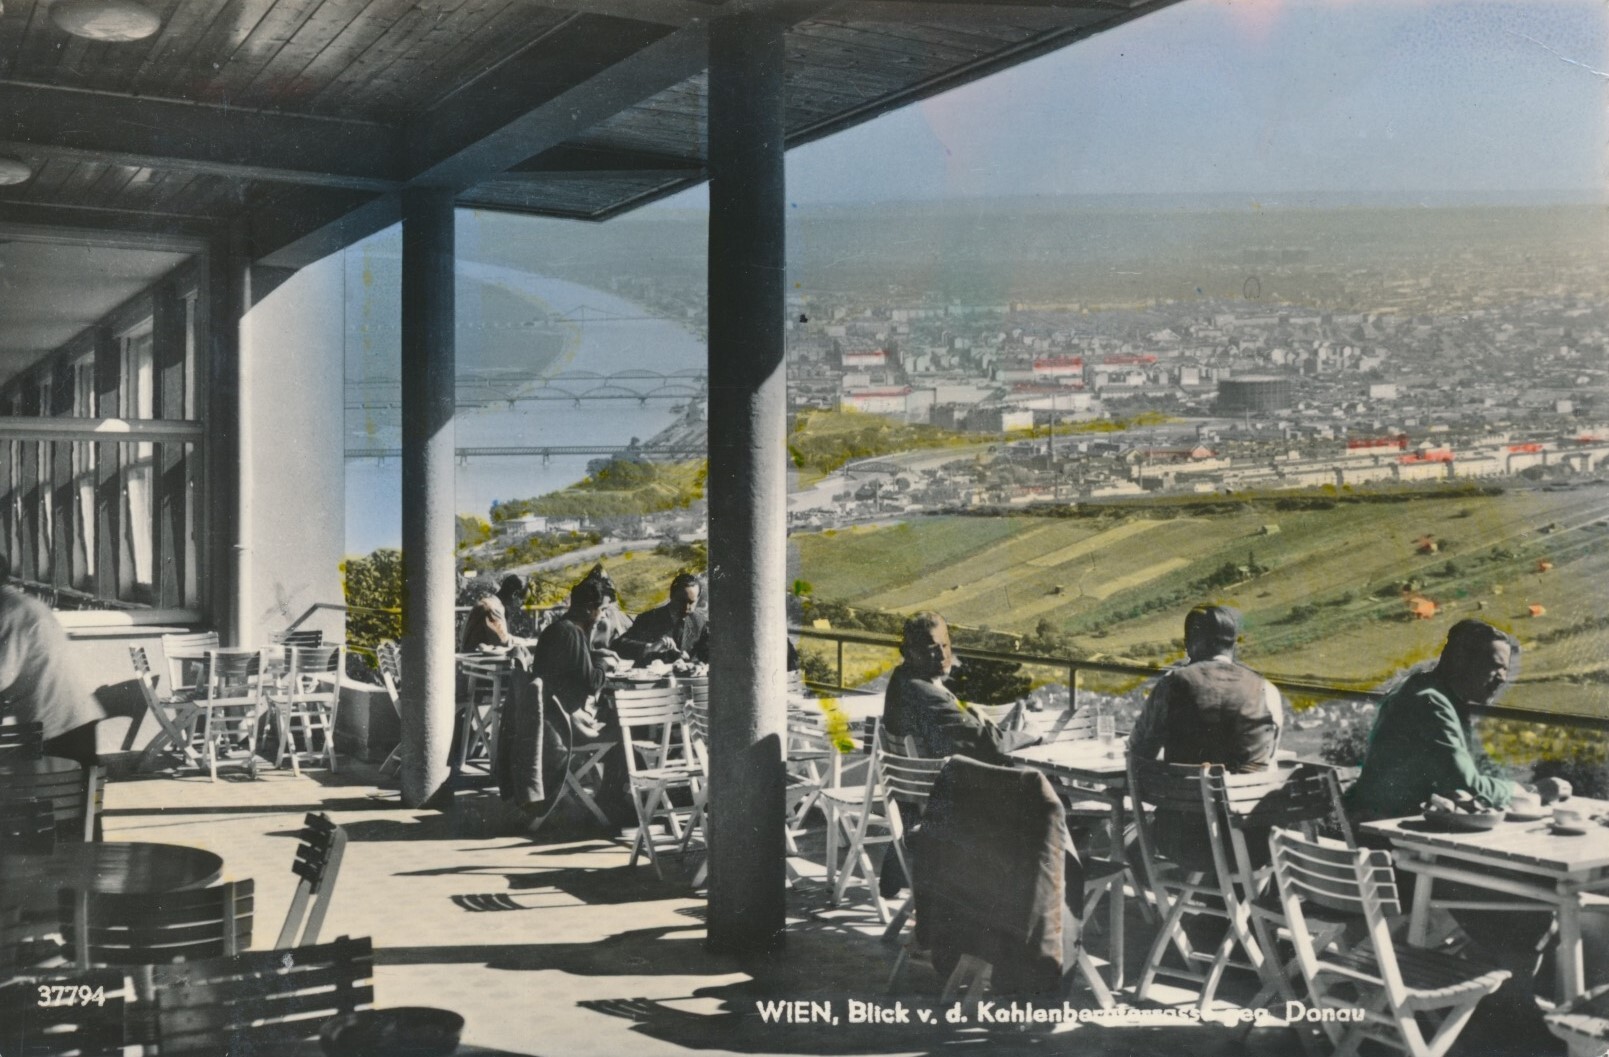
<point x="428" y="392"/>
<point x="747" y="483"/>
<point x="229" y="487"/>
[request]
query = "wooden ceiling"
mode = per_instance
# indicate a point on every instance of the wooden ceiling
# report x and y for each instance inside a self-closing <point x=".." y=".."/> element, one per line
<point x="302" y="119"/>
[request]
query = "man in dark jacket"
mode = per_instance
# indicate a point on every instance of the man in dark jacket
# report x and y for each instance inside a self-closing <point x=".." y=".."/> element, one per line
<point x="1210" y="710"/>
<point x="918" y="705"/>
<point x="669" y="632"/>
<point x="573" y="673"/>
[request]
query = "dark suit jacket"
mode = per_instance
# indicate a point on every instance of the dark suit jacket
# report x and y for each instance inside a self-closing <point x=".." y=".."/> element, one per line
<point x="640" y="640"/>
<point x="994" y="874"/>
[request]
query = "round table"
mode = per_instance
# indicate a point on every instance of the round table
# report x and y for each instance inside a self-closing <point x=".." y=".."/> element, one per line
<point x="106" y="866"/>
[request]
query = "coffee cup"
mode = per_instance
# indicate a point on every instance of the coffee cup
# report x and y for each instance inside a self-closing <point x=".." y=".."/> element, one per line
<point x="1568" y="816"/>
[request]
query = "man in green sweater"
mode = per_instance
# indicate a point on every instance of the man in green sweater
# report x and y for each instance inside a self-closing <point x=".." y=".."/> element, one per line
<point x="1423" y="741"/>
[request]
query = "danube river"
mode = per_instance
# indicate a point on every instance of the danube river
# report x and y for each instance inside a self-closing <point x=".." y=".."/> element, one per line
<point x="513" y="326"/>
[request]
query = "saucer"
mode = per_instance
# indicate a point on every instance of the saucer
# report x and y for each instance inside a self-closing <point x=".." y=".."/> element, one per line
<point x="1559" y="829"/>
<point x="1527" y="816"/>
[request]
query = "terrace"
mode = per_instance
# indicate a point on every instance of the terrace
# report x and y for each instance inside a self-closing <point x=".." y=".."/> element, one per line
<point x="171" y="456"/>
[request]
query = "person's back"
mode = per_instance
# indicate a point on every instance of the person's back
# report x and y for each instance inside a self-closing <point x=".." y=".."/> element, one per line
<point x="1227" y="721"/>
<point x="39" y="683"/>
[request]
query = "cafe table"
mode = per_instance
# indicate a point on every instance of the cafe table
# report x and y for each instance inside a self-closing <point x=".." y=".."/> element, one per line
<point x="1092" y="768"/>
<point x="1525" y="861"/>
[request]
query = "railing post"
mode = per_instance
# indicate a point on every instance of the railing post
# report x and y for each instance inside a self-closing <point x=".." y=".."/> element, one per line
<point x="840" y="664"/>
<point x="1072" y="688"/>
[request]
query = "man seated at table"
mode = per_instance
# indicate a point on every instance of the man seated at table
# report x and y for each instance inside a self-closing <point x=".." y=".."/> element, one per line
<point x="39" y="681"/>
<point x="1423" y="742"/>
<point x="918" y="705"/>
<point x="671" y="632"/>
<point x="573" y="673"/>
<point x="1212" y="709"/>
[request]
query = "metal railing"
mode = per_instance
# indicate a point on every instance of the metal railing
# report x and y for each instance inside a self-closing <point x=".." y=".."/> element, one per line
<point x="1073" y="666"/>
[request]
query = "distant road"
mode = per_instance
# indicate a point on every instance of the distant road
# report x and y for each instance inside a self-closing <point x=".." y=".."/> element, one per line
<point x="587" y="554"/>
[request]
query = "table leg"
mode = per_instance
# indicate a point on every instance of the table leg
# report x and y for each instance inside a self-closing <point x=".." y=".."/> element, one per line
<point x="1419" y="921"/>
<point x="1571" y="971"/>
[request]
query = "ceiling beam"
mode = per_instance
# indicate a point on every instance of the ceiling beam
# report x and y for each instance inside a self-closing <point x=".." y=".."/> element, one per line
<point x="969" y="10"/>
<point x="99" y="238"/>
<point x="660" y="12"/>
<point x="296" y="229"/>
<point x="194" y="137"/>
<point x="569" y="159"/>
<point x="96" y="225"/>
<point x="586" y="71"/>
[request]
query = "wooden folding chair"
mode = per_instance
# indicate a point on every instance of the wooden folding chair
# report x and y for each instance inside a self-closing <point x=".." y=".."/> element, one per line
<point x="302" y="637"/>
<point x="857" y="820"/>
<point x="261" y="1001"/>
<point x="1399" y="994"/>
<point x="658" y="715"/>
<point x="389" y="656"/>
<point x="1012" y="715"/>
<point x="480" y="710"/>
<point x="1180" y="890"/>
<point x="186" y="656"/>
<point x="74" y="793"/>
<point x="27" y="827"/>
<point x="149" y="928"/>
<point x="80" y="1014"/>
<point x="583" y="760"/>
<point x="1240" y="810"/>
<point x="1583" y="1024"/>
<point x="230" y="704"/>
<point x="317" y="866"/>
<point x="176" y="715"/>
<point x="305" y="701"/>
<point x="904" y="778"/>
<point x="22" y="741"/>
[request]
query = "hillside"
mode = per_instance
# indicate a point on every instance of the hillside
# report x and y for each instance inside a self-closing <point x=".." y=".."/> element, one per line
<point x="1324" y="592"/>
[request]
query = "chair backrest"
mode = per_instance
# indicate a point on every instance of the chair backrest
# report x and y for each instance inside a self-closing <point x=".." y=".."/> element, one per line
<point x="698" y="727"/>
<point x="1065" y="725"/>
<point x="260" y="1001"/>
<point x="144" y="928"/>
<point x="74" y="796"/>
<point x="1173" y="789"/>
<point x="904" y="775"/>
<point x="649" y="707"/>
<point x="91" y="1023"/>
<point x="299" y="637"/>
<point x="315" y="672"/>
<point x="390" y="657"/>
<point x="1343" y="880"/>
<point x="22" y="741"/>
<point x="186" y="656"/>
<point x="233" y="675"/>
<point x="27" y="827"/>
<point x="317" y="866"/>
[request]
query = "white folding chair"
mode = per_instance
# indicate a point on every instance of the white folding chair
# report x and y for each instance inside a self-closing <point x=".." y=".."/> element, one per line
<point x="1399" y="993"/>
<point x="306" y="699"/>
<point x="231" y="705"/>
<point x="317" y="867"/>
<point x="186" y="656"/>
<point x="657" y="714"/>
<point x="584" y="761"/>
<point x="389" y="656"/>
<point x="903" y="778"/>
<point x="176" y="716"/>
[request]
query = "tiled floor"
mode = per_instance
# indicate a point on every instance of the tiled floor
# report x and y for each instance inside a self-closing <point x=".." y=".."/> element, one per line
<point x="557" y="948"/>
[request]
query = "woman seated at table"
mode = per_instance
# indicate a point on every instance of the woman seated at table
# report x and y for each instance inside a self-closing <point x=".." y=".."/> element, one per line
<point x="1423" y="743"/>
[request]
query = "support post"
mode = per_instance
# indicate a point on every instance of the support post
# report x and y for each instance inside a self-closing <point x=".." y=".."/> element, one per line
<point x="747" y="483"/>
<point x="429" y="586"/>
<point x="228" y="454"/>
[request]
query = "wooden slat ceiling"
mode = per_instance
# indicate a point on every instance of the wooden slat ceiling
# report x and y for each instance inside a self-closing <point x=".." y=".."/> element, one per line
<point x="302" y="119"/>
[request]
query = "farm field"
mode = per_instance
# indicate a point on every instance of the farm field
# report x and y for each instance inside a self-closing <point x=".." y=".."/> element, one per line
<point x="1323" y="592"/>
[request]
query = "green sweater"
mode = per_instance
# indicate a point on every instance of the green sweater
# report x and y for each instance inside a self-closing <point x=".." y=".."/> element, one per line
<point x="1420" y="745"/>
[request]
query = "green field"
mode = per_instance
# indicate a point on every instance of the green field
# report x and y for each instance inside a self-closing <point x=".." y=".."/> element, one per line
<point x="1330" y="604"/>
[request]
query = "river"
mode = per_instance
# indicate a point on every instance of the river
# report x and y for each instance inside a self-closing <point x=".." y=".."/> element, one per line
<point x="496" y="304"/>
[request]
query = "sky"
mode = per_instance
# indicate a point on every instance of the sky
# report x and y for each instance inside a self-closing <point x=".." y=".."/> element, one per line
<point x="1256" y="97"/>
